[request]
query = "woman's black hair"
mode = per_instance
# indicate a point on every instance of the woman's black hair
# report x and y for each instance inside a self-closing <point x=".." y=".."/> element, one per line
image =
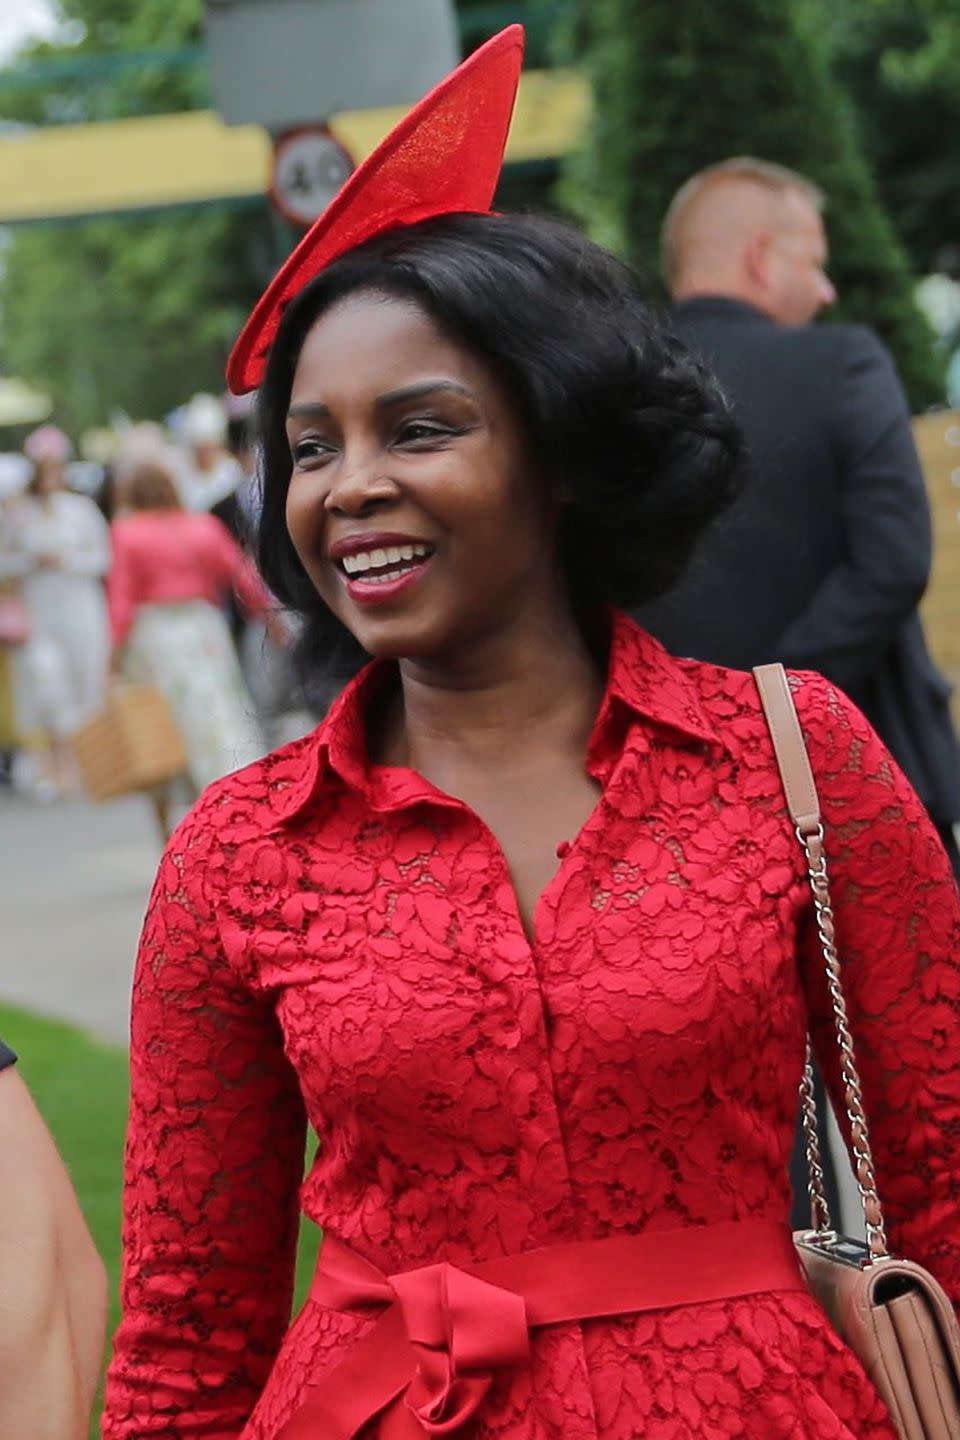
<point x="619" y="416"/>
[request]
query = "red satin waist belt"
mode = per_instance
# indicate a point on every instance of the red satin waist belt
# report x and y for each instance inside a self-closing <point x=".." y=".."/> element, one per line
<point x="444" y="1331"/>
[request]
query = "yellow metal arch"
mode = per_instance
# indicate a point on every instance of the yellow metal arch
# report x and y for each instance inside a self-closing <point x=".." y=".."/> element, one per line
<point x="64" y="172"/>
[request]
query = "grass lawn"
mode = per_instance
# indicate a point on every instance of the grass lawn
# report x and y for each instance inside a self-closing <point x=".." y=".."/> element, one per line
<point x="80" y="1087"/>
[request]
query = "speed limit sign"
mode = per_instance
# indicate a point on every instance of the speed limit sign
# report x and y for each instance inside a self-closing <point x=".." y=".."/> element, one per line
<point x="309" y="166"/>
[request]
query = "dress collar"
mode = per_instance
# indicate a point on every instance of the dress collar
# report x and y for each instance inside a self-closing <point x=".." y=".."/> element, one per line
<point x="642" y="680"/>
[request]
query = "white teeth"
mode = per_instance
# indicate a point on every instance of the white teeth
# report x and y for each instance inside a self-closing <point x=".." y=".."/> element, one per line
<point x="382" y="579"/>
<point x="376" y="559"/>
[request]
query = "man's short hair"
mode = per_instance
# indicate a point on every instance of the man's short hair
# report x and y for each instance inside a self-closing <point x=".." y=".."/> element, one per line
<point x="773" y="177"/>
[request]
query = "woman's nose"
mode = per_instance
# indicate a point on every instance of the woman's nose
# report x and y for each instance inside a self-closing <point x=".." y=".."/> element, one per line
<point x="359" y="484"/>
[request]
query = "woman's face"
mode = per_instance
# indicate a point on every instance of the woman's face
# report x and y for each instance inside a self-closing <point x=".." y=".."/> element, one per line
<point x="413" y="505"/>
<point x="51" y="476"/>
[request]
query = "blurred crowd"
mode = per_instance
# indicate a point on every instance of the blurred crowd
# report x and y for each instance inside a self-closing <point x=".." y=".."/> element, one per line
<point x="137" y="568"/>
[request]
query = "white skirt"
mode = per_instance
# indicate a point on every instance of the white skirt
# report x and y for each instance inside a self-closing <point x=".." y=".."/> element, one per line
<point x="61" y="671"/>
<point x="187" y="652"/>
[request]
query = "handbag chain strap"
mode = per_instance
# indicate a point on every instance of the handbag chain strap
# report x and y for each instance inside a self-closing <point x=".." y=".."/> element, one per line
<point x="804" y="806"/>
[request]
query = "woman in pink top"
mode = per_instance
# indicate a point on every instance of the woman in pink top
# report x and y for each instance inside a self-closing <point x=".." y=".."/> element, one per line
<point x="172" y="571"/>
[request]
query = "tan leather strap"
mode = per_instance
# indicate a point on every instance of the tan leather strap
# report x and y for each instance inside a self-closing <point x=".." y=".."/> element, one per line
<point x="803" y="803"/>
<point x="799" y="785"/>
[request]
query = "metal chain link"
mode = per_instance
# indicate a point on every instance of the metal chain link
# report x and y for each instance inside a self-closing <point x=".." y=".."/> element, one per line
<point x="819" y="1204"/>
<point x="865" y="1175"/>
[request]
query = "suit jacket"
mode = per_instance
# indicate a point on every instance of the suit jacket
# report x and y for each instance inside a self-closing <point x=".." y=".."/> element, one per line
<point x="822" y="561"/>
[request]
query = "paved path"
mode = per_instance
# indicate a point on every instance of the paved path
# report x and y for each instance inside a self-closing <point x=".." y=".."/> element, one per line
<point x="74" y="882"/>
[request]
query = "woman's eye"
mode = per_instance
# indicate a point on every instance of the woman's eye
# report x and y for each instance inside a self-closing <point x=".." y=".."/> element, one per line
<point x="306" y="451"/>
<point x="423" y="432"/>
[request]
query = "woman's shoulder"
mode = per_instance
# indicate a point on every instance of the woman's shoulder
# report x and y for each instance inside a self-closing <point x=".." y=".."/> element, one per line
<point x="728" y="694"/>
<point x="251" y="803"/>
<point x="862" y="792"/>
<point x="716" y="702"/>
<point x="831" y="723"/>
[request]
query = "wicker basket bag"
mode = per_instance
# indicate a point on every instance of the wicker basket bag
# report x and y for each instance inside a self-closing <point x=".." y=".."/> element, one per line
<point x="132" y="745"/>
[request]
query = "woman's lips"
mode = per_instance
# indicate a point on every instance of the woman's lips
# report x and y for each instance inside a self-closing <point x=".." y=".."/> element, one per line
<point x="371" y="589"/>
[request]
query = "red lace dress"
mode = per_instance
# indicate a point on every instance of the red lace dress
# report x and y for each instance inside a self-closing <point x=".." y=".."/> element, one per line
<point x="336" y="941"/>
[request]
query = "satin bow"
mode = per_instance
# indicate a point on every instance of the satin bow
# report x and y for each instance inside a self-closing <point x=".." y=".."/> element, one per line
<point x="461" y="1329"/>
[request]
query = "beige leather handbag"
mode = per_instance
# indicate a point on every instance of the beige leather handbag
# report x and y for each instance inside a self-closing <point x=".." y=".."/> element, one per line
<point x="892" y="1313"/>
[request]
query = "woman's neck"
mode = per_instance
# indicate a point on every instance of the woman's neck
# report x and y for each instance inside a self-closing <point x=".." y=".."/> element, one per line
<point x="534" y="688"/>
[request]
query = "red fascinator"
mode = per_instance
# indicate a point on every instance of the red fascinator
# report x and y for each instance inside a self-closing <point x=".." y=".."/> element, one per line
<point x="445" y="156"/>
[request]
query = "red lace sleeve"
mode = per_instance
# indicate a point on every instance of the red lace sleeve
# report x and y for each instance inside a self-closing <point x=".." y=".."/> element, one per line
<point x="214" y="1158"/>
<point x="898" y="933"/>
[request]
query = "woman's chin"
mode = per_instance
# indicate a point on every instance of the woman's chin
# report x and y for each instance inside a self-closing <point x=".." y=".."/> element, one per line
<point x="398" y="638"/>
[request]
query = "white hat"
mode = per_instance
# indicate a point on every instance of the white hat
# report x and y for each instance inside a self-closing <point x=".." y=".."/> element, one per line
<point x="203" y="421"/>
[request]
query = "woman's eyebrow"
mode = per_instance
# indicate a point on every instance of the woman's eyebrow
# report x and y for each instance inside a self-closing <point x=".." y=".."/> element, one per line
<point x="308" y="410"/>
<point x="314" y="410"/>
<point x="419" y="390"/>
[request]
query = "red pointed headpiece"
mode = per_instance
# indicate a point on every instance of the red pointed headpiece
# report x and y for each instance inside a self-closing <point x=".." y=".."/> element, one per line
<point x="444" y="156"/>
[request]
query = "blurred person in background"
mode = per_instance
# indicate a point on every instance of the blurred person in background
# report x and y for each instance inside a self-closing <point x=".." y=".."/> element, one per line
<point x="208" y="474"/>
<point x="172" y="572"/>
<point x="14" y="629"/>
<point x="824" y="559"/>
<point x="53" y="1291"/>
<point x="145" y="440"/>
<point x="59" y="545"/>
<point x="278" y="691"/>
<point x="242" y="511"/>
<point x="14" y="622"/>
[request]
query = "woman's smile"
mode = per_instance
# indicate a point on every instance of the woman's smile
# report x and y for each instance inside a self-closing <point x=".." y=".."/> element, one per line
<point x="376" y="568"/>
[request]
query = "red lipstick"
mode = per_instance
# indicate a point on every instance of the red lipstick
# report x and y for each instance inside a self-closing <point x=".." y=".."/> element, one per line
<point x="378" y="566"/>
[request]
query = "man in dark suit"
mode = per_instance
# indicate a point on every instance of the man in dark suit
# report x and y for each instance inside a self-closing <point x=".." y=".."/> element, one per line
<point x="822" y="561"/>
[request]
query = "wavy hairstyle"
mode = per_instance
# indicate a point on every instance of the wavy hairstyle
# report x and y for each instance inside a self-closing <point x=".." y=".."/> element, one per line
<point x="618" y="413"/>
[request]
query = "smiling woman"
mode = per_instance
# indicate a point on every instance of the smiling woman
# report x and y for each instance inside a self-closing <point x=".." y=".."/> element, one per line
<point x="523" y="929"/>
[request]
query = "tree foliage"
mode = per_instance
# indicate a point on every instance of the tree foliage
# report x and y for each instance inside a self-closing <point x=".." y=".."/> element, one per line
<point x="680" y="84"/>
<point x="108" y="29"/>
<point x="900" y="60"/>
<point x="127" y="313"/>
<point x="130" y="315"/>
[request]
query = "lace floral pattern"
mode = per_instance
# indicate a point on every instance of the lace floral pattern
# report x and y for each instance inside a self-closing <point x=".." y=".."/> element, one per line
<point x="337" y="941"/>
